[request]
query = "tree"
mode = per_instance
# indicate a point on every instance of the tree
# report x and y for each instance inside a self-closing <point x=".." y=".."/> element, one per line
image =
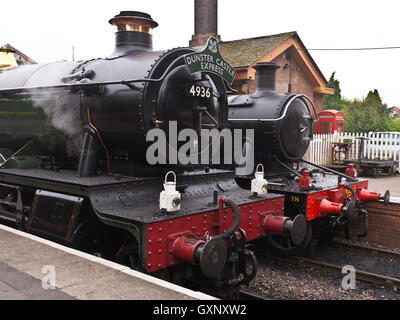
<point x="334" y="101"/>
<point x="369" y="114"/>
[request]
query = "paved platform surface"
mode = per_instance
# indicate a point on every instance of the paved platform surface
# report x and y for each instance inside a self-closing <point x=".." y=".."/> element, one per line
<point x="28" y="263"/>
<point x="383" y="183"/>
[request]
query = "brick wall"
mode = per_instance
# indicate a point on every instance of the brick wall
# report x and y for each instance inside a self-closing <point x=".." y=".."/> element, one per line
<point x="384" y="225"/>
<point x="300" y="81"/>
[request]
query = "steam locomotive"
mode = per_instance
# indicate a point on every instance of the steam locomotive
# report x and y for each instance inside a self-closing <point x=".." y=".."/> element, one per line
<point x="328" y="199"/>
<point x="74" y="140"/>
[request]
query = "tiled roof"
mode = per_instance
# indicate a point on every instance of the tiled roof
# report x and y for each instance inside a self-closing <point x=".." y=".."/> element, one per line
<point x="244" y="52"/>
<point x="19" y="53"/>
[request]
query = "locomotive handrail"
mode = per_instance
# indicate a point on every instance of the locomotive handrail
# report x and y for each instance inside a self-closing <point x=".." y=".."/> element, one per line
<point x="87" y="84"/>
<point x="74" y="85"/>
<point x="285" y="111"/>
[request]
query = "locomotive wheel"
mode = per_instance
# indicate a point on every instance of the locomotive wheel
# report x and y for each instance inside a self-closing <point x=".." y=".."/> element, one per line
<point x="284" y="245"/>
<point x="127" y="255"/>
<point x="97" y="239"/>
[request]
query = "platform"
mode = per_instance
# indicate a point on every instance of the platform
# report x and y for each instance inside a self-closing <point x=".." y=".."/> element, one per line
<point x="28" y="264"/>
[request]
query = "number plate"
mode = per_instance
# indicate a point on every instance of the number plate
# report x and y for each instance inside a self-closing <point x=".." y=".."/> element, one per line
<point x="199" y="91"/>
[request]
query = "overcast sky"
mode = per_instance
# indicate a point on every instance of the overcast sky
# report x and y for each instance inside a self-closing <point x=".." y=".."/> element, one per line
<point x="46" y="31"/>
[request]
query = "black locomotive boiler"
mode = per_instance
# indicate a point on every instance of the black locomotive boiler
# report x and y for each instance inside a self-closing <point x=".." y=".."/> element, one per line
<point x="73" y="168"/>
<point x="283" y="130"/>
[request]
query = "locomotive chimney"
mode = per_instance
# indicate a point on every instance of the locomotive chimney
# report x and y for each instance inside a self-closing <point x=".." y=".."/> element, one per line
<point x="265" y="76"/>
<point x="205" y="22"/>
<point x="133" y="32"/>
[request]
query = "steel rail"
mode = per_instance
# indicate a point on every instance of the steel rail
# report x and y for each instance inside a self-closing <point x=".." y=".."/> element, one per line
<point x="356" y="246"/>
<point x="245" y="294"/>
<point x="360" y="275"/>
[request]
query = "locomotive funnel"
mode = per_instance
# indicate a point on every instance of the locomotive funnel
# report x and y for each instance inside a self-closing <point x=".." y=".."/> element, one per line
<point x="133" y="32"/>
<point x="265" y="76"/>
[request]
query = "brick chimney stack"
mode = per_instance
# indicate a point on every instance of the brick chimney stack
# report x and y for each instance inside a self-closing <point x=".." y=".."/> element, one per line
<point x="205" y="22"/>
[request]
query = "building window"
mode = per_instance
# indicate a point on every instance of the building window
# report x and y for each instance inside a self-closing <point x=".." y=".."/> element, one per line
<point x="326" y="127"/>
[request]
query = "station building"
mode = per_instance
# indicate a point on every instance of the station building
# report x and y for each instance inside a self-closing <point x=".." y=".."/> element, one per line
<point x="298" y="71"/>
<point x="11" y="57"/>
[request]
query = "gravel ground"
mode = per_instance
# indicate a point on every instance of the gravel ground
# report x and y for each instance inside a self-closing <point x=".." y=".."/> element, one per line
<point x="284" y="281"/>
<point x="360" y="259"/>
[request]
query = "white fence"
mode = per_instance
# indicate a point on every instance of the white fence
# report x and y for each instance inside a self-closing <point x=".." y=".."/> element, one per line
<point x="381" y="146"/>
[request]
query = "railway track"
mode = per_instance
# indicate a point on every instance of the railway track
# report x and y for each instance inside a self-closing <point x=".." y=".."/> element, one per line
<point x="361" y="247"/>
<point x="360" y="274"/>
<point x="246" y="294"/>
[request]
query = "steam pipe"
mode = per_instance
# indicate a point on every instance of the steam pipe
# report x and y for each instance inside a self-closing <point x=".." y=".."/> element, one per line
<point x="227" y="234"/>
<point x="353" y="192"/>
<point x="363" y="234"/>
<point x="89" y="157"/>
